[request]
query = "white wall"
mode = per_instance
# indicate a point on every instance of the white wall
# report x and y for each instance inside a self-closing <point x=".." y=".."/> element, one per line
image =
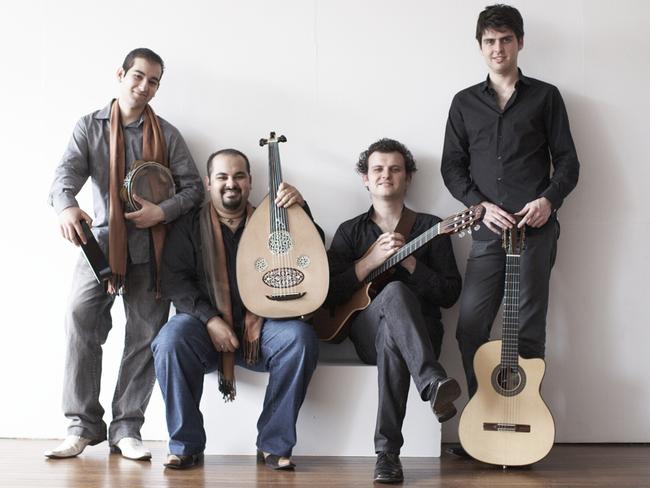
<point x="334" y="76"/>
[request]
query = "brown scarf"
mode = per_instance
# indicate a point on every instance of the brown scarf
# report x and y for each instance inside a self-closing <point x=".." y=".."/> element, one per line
<point x="153" y="149"/>
<point x="214" y="261"/>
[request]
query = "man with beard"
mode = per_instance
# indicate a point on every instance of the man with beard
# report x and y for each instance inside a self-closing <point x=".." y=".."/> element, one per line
<point x="211" y="323"/>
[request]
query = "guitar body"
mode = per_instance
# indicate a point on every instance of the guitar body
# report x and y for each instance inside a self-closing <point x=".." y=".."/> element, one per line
<point x="282" y="274"/>
<point x="331" y="325"/>
<point x="511" y="429"/>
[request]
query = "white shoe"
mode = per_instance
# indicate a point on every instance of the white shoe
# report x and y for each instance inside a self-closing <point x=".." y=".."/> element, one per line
<point x="132" y="448"/>
<point x="72" y="446"/>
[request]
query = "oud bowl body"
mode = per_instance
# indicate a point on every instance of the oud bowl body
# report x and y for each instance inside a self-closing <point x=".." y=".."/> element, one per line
<point x="257" y="257"/>
<point x="488" y="406"/>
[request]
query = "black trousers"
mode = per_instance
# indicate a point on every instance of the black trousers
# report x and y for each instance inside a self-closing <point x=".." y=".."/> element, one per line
<point x="393" y="334"/>
<point x="483" y="291"/>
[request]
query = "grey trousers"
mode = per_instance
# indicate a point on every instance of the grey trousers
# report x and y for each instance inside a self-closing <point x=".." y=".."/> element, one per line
<point x="393" y="334"/>
<point x="483" y="291"/>
<point x="88" y="321"/>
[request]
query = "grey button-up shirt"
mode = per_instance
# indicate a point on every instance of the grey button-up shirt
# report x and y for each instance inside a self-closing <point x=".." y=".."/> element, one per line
<point x="87" y="156"/>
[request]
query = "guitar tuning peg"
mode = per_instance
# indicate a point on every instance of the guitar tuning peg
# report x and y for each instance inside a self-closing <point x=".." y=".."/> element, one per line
<point x="461" y="234"/>
<point x="477" y="227"/>
<point x="469" y="231"/>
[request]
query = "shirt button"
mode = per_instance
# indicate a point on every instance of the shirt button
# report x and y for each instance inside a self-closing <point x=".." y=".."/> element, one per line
<point x="499" y="179"/>
<point x="498" y="157"/>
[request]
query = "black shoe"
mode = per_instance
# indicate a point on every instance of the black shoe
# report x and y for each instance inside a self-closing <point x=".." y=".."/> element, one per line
<point x="458" y="451"/>
<point x="388" y="469"/>
<point x="442" y="396"/>
<point x="273" y="461"/>
<point x="175" y="461"/>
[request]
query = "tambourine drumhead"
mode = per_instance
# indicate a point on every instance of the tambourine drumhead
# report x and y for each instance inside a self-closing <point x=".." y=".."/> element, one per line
<point x="149" y="180"/>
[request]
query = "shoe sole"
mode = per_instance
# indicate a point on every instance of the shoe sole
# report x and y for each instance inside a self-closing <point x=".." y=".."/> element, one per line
<point x="442" y="404"/>
<point x="117" y="450"/>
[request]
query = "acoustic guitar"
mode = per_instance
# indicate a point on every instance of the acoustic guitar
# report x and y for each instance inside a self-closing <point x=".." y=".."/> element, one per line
<point x="507" y="422"/>
<point x="282" y="268"/>
<point x="332" y="323"/>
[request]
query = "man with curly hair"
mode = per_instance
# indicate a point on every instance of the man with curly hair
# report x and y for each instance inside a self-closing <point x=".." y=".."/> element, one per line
<point x="400" y="331"/>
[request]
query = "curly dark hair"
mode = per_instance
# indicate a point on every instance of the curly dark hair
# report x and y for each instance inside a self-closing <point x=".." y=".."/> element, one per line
<point x="386" y="145"/>
<point x="499" y="17"/>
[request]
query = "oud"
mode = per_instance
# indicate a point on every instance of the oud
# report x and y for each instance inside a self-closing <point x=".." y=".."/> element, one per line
<point x="282" y="268"/>
<point x="332" y="323"/>
<point x="507" y="422"/>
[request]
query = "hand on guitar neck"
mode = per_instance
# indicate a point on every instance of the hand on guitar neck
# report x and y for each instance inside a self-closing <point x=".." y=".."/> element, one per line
<point x="384" y="247"/>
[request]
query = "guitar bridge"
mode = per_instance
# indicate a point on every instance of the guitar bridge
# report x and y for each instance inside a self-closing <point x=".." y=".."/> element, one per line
<point x="504" y="427"/>
<point x="287" y="297"/>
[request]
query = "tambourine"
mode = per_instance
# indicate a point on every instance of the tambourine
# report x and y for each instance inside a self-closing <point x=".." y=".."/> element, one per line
<point x="149" y="180"/>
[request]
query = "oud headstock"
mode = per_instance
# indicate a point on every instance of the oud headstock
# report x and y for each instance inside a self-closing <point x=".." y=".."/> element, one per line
<point x="271" y="139"/>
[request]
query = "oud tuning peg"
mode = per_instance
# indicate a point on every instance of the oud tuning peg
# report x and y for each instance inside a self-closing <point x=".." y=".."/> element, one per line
<point x="282" y="139"/>
<point x="263" y="141"/>
<point x="272" y="136"/>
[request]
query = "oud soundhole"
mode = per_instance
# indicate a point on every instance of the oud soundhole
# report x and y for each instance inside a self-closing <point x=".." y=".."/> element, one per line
<point x="280" y="242"/>
<point x="508" y="381"/>
<point x="283" y="277"/>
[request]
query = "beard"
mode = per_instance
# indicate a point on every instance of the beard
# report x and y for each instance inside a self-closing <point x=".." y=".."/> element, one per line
<point x="232" y="203"/>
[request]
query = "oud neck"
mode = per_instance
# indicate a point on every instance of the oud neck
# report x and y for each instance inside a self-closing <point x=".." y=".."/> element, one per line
<point x="278" y="215"/>
<point x="510" y="332"/>
<point x="405" y="251"/>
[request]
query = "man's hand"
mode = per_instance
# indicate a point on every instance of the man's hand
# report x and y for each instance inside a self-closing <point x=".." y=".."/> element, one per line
<point x="535" y="213"/>
<point x="149" y="215"/>
<point x="496" y="219"/>
<point x="70" y="226"/>
<point x="384" y="247"/>
<point x="222" y="336"/>
<point x="288" y="195"/>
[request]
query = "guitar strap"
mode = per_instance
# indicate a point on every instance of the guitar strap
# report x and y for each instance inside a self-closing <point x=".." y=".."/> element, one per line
<point x="405" y="224"/>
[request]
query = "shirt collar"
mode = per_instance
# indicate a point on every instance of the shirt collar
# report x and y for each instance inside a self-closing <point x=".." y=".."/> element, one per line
<point x="485" y="86"/>
<point x="105" y="114"/>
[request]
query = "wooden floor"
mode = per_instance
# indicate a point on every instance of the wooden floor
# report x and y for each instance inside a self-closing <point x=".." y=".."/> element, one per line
<point x="568" y="465"/>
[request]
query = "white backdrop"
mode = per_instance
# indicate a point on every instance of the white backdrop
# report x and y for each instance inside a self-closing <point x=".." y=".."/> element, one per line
<point x="334" y="76"/>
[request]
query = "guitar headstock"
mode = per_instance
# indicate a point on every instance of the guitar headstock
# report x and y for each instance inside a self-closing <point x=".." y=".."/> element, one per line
<point x="271" y="139"/>
<point x="514" y="240"/>
<point x="462" y="221"/>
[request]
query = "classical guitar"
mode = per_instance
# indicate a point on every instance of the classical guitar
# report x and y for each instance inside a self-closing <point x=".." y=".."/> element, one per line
<point x="507" y="422"/>
<point x="282" y="268"/>
<point x="331" y="323"/>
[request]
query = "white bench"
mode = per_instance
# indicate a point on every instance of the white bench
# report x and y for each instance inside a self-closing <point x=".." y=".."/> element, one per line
<point x="337" y="418"/>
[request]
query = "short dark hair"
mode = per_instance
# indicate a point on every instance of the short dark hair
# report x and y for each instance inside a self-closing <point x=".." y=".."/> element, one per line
<point x="386" y="145"/>
<point x="500" y="17"/>
<point x="228" y="152"/>
<point x="142" y="52"/>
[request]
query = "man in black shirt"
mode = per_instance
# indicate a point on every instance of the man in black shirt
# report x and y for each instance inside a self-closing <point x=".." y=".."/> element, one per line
<point x="502" y="137"/>
<point x="198" y="272"/>
<point x="400" y="331"/>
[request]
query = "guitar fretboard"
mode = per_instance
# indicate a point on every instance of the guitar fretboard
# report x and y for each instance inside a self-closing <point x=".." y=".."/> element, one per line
<point x="510" y="331"/>
<point x="405" y="251"/>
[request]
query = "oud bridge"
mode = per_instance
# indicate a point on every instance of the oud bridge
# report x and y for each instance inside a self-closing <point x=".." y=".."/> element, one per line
<point x="505" y="427"/>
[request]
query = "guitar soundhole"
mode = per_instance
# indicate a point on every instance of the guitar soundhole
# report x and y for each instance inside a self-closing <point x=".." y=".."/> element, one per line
<point x="280" y="242"/>
<point x="508" y="381"/>
<point x="283" y="277"/>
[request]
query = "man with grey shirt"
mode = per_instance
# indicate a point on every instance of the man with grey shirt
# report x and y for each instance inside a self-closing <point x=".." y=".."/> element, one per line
<point x="104" y="146"/>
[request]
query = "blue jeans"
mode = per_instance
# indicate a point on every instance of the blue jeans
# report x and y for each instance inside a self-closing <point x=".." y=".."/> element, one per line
<point x="183" y="354"/>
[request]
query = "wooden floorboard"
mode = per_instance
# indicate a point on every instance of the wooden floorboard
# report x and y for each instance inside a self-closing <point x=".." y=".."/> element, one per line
<point x="568" y="465"/>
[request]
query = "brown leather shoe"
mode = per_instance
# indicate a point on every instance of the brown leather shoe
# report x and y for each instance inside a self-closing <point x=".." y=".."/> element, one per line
<point x="175" y="461"/>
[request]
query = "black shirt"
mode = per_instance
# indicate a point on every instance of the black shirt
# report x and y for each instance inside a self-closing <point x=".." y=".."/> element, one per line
<point x="505" y="157"/>
<point x="435" y="281"/>
<point x="183" y="278"/>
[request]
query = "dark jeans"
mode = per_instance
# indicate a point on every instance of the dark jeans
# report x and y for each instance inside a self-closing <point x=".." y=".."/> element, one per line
<point x="483" y="291"/>
<point x="393" y="334"/>
<point x="183" y="354"/>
